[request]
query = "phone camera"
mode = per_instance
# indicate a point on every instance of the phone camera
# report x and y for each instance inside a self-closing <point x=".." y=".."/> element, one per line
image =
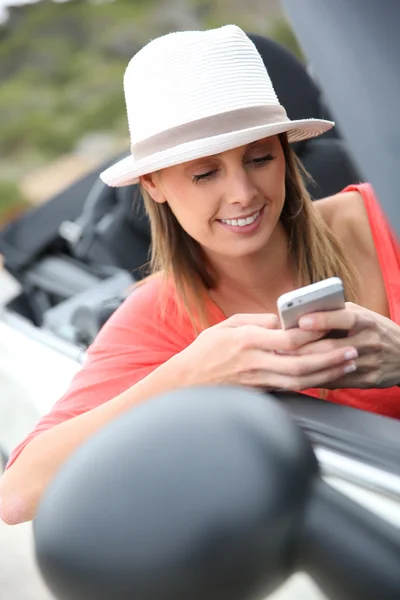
<point x="290" y="304"/>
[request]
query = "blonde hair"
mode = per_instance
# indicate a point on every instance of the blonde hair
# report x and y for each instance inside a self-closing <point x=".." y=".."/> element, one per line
<point x="316" y="252"/>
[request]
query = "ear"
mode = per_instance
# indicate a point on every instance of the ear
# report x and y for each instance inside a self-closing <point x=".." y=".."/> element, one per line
<point x="151" y="184"/>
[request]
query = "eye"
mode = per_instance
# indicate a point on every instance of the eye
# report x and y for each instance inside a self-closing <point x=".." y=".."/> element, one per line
<point x="262" y="159"/>
<point x="203" y="176"/>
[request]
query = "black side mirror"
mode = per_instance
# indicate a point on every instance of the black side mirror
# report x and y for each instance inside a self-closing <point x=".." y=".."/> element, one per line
<point x="205" y="493"/>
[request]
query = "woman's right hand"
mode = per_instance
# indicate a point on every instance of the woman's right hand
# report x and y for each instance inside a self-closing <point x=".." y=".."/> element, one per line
<point x="252" y="350"/>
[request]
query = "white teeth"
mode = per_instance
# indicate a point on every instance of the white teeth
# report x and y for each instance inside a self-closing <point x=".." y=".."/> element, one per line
<point x="241" y="222"/>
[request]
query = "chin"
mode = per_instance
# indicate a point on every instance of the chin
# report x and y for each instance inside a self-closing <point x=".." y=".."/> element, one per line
<point x="244" y="249"/>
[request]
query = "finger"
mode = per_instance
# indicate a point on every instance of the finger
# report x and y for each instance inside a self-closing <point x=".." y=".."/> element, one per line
<point x="295" y="383"/>
<point x="353" y="306"/>
<point x="316" y="380"/>
<point x="267" y="320"/>
<point x="279" y="340"/>
<point x="367" y="375"/>
<point x="365" y="341"/>
<point x="290" y="340"/>
<point x="299" y="366"/>
<point x="345" y="319"/>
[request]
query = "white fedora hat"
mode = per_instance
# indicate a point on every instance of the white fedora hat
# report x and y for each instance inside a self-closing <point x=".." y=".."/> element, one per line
<point x="192" y="94"/>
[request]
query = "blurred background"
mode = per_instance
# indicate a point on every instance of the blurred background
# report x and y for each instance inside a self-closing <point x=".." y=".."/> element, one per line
<point x="66" y="265"/>
<point x="62" y="109"/>
<point x="62" y="115"/>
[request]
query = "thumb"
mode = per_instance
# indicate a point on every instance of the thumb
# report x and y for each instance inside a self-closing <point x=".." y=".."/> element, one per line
<point x="271" y="321"/>
<point x="266" y="320"/>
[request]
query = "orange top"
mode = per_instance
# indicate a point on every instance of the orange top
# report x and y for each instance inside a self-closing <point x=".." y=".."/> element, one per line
<point x="138" y="338"/>
<point x="382" y="401"/>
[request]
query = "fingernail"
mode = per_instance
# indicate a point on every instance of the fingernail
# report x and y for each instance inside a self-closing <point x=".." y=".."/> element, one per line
<point x="350" y="354"/>
<point x="350" y="367"/>
<point x="306" y="322"/>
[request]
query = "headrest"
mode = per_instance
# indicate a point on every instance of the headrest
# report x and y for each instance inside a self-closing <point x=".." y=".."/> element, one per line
<point x="296" y="89"/>
<point x="329" y="163"/>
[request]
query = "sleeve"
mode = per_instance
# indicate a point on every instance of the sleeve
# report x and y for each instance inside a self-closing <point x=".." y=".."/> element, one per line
<point x="136" y="339"/>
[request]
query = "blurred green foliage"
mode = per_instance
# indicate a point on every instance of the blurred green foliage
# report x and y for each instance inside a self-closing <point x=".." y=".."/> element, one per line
<point x="62" y="75"/>
<point x="282" y="33"/>
<point x="62" y="65"/>
<point x="11" y="200"/>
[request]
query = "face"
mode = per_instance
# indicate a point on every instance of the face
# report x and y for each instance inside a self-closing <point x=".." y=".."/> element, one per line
<point x="231" y="202"/>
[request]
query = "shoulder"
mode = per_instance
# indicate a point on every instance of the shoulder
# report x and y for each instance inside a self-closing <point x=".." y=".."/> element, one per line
<point x="149" y="288"/>
<point x="151" y="311"/>
<point x="346" y="215"/>
<point x="142" y="307"/>
<point x="144" y="297"/>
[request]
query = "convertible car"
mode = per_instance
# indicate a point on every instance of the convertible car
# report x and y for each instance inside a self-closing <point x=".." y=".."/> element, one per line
<point x="333" y="509"/>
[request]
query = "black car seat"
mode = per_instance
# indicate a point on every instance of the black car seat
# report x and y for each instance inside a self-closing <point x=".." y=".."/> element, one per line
<point x="326" y="157"/>
<point x="113" y="229"/>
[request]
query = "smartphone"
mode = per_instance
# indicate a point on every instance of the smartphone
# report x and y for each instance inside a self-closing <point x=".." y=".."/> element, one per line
<point x="323" y="295"/>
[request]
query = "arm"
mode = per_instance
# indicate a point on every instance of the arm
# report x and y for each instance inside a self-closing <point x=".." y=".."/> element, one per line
<point x="241" y="351"/>
<point x="122" y="369"/>
<point x="23" y="484"/>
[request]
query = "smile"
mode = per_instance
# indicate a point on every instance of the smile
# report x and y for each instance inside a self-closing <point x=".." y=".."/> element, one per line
<point x="243" y="224"/>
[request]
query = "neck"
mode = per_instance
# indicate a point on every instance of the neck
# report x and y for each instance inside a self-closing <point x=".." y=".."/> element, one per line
<point x="253" y="283"/>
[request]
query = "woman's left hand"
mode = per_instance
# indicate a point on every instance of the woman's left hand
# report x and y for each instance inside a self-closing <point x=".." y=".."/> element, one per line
<point x="376" y="338"/>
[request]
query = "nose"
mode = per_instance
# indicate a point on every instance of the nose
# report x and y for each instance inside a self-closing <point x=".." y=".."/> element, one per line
<point x="239" y="188"/>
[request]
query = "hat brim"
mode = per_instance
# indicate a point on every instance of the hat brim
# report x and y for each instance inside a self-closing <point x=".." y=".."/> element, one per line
<point x="127" y="171"/>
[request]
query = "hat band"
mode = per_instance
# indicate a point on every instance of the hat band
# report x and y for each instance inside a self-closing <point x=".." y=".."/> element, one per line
<point x="228" y="122"/>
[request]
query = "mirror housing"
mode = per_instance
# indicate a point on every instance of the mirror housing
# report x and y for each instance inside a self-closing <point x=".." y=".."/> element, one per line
<point x="209" y="492"/>
<point x="196" y="494"/>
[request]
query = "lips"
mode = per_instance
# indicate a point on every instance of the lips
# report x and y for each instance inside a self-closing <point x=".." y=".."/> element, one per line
<point x="242" y="220"/>
<point x="244" y="224"/>
<point x="247" y="216"/>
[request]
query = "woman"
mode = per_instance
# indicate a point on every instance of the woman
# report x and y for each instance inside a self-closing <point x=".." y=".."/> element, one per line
<point x="233" y="228"/>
